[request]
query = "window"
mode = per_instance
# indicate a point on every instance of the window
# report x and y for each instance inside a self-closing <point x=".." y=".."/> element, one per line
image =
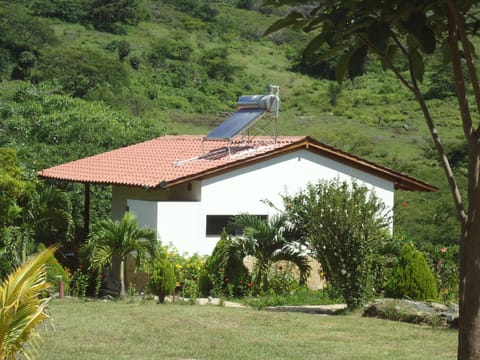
<point x="216" y="224"/>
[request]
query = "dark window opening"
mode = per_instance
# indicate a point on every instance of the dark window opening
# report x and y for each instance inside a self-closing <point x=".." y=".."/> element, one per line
<point x="216" y="224"/>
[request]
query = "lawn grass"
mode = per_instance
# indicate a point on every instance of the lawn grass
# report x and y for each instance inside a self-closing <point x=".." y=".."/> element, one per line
<point x="116" y="330"/>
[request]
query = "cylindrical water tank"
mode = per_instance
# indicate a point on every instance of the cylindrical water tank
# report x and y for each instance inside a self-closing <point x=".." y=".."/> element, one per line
<point x="265" y="102"/>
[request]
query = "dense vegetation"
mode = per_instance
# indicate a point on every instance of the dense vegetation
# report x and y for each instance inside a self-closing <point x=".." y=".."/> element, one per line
<point x="81" y="77"/>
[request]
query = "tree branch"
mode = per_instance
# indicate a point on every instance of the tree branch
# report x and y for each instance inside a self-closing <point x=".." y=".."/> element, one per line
<point x="457" y="71"/>
<point x="468" y="54"/>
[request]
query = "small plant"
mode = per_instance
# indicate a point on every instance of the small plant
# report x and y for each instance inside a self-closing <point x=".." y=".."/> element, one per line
<point x="411" y="277"/>
<point x="98" y="285"/>
<point x="162" y="279"/>
<point x="79" y="283"/>
<point x="132" y="293"/>
<point x="282" y="279"/>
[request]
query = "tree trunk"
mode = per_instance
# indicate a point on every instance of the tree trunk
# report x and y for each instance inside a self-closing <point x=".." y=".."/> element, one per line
<point x="122" y="278"/>
<point x="469" y="322"/>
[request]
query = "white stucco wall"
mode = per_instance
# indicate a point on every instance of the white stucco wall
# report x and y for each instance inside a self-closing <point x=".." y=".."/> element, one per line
<point x="183" y="223"/>
<point x="180" y="224"/>
<point x="243" y="189"/>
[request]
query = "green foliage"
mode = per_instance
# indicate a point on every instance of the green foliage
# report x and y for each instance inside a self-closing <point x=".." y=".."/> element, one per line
<point x="123" y="49"/>
<point x="119" y="239"/>
<point x="282" y="279"/>
<point x="14" y="189"/>
<point x="188" y="270"/>
<point x="56" y="273"/>
<point x="50" y="129"/>
<point x="205" y="285"/>
<point x="79" y="282"/>
<point x="66" y="10"/>
<point x="444" y="262"/>
<point x="411" y="277"/>
<point x="162" y="279"/>
<point x="195" y="8"/>
<point x="343" y="224"/>
<point x="81" y="71"/>
<point x="176" y="48"/>
<point x="268" y="241"/>
<point x="112" y="15"/>
<point x="22" y="32"/>
<point x="300" y="296"/>
<point x="228" y="274"/>
<point x="22" y="308"/>
<point x="218" y="66"/>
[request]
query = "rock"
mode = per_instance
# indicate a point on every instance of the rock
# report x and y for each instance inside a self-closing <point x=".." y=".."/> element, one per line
<point x="417" y="312"/>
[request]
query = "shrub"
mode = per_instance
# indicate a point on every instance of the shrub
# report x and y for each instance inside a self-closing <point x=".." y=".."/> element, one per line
<point x="205" y="285"/>
<point x="162" y="279"/>
<point x="79" y="71"/>
<point x="282" y="279"/>
<point x="229" y="276"/>
<point x="411" y="277"/>
<point x="67" y="10"/>
<point x="343" y="224"/>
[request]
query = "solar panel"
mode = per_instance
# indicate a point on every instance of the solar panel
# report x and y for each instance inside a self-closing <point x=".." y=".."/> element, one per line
<point x="235" y="124"/>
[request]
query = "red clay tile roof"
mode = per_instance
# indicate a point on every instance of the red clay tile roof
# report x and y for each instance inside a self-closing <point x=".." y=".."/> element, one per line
<point x="170" y="160"/>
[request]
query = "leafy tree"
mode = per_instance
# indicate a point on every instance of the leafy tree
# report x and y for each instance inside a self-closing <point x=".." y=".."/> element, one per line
<point x="123" y="49"/>
<point x="120" y="239"/>
<point x="14" y="188"/>
<point x="267" y="241"/>
<point x="22" y="308"/>
<point x="68" y="10"/>
<point x="15" y="195"/>
<point x="196" y="8"/>
<point x="344" y="225"/>
<point x="402" y="32"/>
<point x="80" y="71"/>
<point x="19" y="31"/>
<point x="111" y="15"/>
<point x="218" y="66"/>
<point x="52" y="211"/>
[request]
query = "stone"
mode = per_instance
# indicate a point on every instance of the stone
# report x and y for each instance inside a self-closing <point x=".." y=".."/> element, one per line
<point x="417" y="312"/>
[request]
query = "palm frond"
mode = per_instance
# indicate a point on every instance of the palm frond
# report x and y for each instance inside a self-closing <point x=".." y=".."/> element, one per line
<point x="21" y="308"/>
<point x="290" y="253"/>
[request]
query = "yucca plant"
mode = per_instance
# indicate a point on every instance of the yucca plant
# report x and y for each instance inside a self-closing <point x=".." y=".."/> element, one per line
<point x="22" y="308"/>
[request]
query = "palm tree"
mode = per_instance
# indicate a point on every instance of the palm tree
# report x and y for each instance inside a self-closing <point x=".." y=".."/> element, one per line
<point x="268" y="242"/>
<point x="22" y="308"/>
<point x="120" y="239"/>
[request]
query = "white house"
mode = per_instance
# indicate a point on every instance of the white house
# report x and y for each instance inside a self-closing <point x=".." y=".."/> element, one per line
<point x="187" y="187"/>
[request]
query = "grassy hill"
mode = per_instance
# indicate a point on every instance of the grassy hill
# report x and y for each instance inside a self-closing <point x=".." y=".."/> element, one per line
<point x="178" y="68"/>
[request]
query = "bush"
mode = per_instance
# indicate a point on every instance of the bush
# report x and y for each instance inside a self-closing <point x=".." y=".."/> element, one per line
<point x="344" y="225"/>
<point x="79" y="71"/>
<point x="66" y="10"/>
<point x="411" y="277"/>
<point x="162" y="279"/>
<point x="229" y="276"/>
<point x="205" y="285"/>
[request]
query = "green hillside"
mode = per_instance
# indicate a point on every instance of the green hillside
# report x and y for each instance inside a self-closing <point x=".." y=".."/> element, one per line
<point x="81" y="77"/>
